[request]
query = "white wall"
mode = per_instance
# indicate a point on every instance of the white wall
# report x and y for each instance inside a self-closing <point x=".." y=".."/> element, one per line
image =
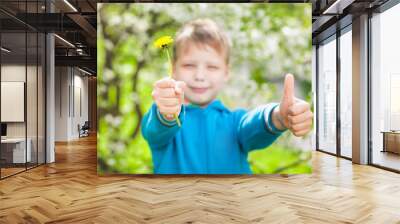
<point x="33" y="127"/>
<point x="62" y="81"/>
<point x="70" y="83"/>
<point x="14" y="73"/>
<point x="11" y="73"/>
<point x="80" y="89"/>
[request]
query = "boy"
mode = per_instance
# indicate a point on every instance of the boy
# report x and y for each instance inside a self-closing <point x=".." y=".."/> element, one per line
<point x="211" y="139"/>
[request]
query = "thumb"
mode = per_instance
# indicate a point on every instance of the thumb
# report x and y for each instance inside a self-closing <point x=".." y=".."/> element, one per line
<point x="288" y="91"/>
<point x="179" y="85"/>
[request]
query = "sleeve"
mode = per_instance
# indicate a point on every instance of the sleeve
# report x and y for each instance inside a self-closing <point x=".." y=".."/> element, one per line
<point x="157" y="130"/>
<point x="256" y="129"/>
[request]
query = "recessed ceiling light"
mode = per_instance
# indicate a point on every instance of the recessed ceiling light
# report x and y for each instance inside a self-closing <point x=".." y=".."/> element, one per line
<point x="5" y="50"/>
<point x="84" y="71"/>
<point x="70" y="5"/>
<point x="337" y="7"/>
<point x="64" y="40"/>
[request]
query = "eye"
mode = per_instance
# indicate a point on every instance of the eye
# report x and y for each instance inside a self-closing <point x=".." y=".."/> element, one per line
<point x="212" y="67"/>
<point x="188" y="65"/>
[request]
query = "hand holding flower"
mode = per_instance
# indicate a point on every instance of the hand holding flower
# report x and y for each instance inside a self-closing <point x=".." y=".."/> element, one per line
<point x="168" y="107"/>
<point x="168" y="95"/>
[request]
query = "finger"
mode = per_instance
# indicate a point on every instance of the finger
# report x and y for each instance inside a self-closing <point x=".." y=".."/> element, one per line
<point x="169" y="102"/>
<point x="169" y="116"/>
<point x="166" y="92"/>
<point x="288" y="89"/>
<point x="180" y="90"/>
<point x="169" y="110"/>
<point x="308" y="115"/>
<point x="180" y="85"/>
<point x="301" y="126"/>
<point x="165" y="83"/>
<point x="298" y="108"/>
<point x="301" y="133"/>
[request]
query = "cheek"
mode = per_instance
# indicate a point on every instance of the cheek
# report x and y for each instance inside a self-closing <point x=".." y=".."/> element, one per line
<point x="218" y="79"/>
<point x="182" y="75"/>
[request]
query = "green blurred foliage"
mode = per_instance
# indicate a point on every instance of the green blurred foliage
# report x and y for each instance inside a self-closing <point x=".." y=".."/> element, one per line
<point x="268" y="40"/>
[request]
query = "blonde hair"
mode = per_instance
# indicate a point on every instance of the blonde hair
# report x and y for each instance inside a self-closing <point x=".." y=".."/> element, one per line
<point x="202" y="32"/>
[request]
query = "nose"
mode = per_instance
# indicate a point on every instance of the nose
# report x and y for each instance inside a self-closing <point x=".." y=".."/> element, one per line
<point x="199" y="75"/>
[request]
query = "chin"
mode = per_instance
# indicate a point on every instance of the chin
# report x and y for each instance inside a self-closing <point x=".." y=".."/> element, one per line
<point x="200" y="100"/>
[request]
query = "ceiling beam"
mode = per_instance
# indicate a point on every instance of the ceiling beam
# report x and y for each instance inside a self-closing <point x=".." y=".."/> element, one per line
<point x="82" y="61"/>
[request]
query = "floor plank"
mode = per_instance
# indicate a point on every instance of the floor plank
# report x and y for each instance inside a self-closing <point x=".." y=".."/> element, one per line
<point x="69" y="191"/>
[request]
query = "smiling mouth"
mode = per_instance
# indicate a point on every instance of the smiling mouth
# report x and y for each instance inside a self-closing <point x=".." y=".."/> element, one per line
<point x="198" y="90"/>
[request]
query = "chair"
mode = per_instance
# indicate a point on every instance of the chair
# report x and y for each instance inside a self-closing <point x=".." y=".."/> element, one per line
<point x="84" y="130"/>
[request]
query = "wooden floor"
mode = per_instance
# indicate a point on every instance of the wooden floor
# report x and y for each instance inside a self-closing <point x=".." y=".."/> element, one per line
<point x="69" y="191"/>
<point x="387" y="159"/>
<point x="10" y="171"/>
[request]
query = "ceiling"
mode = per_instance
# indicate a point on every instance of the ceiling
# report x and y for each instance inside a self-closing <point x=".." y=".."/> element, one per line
<point x="74" y="22"/>
<point x="330" y="15"/>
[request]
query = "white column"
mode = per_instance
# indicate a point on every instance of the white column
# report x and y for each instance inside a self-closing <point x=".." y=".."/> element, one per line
<point x="50" y="93"/>
<point x="360" y="90"/>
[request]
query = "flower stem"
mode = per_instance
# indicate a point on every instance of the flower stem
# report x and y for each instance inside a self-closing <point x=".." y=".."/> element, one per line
<point x="170" y="75"/>
<point x="169" y="62"/>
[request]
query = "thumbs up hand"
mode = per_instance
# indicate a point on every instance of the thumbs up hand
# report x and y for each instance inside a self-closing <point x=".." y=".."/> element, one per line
<point x="292" y="113"/>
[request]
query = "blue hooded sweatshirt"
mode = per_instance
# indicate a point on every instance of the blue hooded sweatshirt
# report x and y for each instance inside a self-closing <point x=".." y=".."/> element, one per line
<point x="211" y="140"/>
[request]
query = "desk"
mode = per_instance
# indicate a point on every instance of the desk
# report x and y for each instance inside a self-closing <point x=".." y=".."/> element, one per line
<point x="16" y="148"/>
<point x="391" y="141"/>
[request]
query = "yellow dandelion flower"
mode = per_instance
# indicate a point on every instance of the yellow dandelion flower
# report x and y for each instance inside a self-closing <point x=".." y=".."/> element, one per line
<point x="163" y="41"/>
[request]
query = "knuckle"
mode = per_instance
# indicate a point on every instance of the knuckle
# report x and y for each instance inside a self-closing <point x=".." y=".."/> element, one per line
<point x="170" y="93"/>
<point x="174" y="102"/>
<point x="167" y="111"/>
<point x="291" y="110"/>
<point x="294" y="122"/>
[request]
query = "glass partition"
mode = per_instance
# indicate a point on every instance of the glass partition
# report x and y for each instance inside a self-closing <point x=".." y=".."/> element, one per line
<point x="14" y="152"/>
<point x="22" y="77"/>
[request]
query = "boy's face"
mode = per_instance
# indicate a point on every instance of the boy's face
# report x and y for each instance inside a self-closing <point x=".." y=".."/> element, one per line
<point x="203" y="69"/>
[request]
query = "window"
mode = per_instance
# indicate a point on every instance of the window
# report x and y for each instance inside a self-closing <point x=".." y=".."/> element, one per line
<point x="327" y="95"/>
<point x="385" y="89"/>
<point x="345" y="92"/>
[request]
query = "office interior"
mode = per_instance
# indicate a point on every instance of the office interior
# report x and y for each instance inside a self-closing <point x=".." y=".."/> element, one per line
<point x="48" y="79"/>
<point x="356" y="81"/>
